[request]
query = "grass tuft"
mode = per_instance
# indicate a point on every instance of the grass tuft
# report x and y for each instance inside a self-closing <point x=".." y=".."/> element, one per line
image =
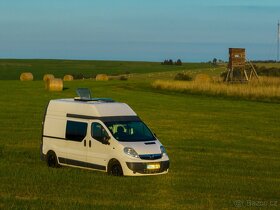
<point x="264" y="88"/>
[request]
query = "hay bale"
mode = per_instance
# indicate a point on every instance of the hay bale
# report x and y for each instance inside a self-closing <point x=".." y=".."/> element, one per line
<point x="26" y="76"/>
<point x="68" y="77"/>
<point x="123" y="78"/>
<point x="202" y="78"/>
<point x="54" y="84"/>
<point x="48" y="77"/>
<point x="101" y="77"/>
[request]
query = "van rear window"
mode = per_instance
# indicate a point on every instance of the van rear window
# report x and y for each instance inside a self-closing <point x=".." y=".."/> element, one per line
<point x="76" y="131"/>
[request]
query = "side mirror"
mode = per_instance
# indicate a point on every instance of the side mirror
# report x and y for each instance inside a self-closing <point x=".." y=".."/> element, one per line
<point x="105" y="140"/>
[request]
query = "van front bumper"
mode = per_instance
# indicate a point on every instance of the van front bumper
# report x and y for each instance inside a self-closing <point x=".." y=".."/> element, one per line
<point x="142" y="168"/>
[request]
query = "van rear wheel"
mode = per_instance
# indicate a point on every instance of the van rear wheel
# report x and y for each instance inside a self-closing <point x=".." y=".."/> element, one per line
<point x="115" y="168"/>
<point x="52" y="160"/>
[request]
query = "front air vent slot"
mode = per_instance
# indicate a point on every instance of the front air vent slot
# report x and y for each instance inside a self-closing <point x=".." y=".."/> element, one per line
<point x="150" y="157"/>
<point x="148" y="143"/>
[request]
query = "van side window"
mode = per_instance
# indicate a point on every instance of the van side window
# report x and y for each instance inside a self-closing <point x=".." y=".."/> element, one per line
<point x="98" y="132"/>
<point x="76" y="131"/>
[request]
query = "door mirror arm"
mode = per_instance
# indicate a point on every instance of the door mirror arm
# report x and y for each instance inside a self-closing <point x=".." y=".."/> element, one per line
<point x="105" y="140"/>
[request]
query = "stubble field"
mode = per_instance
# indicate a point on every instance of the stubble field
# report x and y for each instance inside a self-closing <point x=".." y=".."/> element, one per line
<point x="224" y="152"/>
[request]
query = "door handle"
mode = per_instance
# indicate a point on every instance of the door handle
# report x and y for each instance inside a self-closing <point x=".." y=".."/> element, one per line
<point x="89" y="143"/>
<point x="85" y="143"/>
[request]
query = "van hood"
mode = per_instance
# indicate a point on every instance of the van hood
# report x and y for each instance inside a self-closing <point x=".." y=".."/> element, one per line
<point x="143" y="147"/>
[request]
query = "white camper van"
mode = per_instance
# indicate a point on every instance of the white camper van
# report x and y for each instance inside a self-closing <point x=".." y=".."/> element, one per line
<point x="100" y="134"/>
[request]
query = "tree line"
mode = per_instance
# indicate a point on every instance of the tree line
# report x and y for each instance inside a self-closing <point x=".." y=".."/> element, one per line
<point x="171" y="62"/>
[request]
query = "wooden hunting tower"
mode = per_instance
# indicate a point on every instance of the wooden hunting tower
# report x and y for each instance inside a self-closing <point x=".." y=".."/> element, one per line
<point x="237" y="57"/>
<point x="237" y="71"/>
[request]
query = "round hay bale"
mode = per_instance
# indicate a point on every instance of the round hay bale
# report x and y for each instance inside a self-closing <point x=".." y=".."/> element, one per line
<point x="101" y="77"/>
<point x="203" y="78"/>
<point x="48" y="77"/>
<point x="68" y="77"/>
<point x="123" y="78"/>
<point x="54" y="84"/>
<point x="26" y="76"/>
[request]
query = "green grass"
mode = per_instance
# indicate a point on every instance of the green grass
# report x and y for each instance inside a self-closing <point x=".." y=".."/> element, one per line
<point x="221" y="150"/>
<point x="268" y="65"/>
<point x="11" y="69"/>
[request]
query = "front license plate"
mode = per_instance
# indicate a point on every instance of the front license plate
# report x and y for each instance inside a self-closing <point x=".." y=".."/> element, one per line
<point x="153" y="166"/>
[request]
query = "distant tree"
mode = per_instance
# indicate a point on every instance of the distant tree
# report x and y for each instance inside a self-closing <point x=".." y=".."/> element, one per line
<point x="165" y="62"/>
<point x="214" y="61"/>
<point x="170" y="62"/>
<point x="178" y="62"/>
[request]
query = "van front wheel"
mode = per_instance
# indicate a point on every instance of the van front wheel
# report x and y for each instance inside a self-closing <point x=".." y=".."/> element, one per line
<point x="52" y="160"/>
<point x="115" y="168"/>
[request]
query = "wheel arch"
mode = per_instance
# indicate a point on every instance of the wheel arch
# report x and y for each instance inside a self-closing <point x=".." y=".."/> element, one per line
<point x="115" y="161"/>
<point x="52" y="152"/>
<point x="111" y="162"/>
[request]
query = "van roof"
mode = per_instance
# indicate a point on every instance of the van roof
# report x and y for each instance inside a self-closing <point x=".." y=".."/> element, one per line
<point x="99" y="108"/>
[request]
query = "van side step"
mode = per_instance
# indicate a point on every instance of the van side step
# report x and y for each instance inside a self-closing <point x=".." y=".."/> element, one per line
<point x="81" y="164"/>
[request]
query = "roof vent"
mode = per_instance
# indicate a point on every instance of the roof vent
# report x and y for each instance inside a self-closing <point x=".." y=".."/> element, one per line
<point x="85" y="95"/>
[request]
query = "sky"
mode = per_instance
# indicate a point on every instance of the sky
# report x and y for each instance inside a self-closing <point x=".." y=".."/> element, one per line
<point x="140" y="30"/>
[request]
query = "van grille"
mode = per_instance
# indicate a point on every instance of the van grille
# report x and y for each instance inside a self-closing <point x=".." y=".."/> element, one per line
<point x="142" y="167"/>
<point x="150" y="156"/>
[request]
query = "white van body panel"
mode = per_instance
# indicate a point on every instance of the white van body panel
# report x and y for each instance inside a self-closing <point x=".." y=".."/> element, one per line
<point x="89" y="152"/>
<point x="51" y="144"/>
<point x="98" y="109"/>
<point x="55" y="126"/>
<point x="142" y="148"/>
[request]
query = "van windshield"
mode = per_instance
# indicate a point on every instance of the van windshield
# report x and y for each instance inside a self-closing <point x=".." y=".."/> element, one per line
<point x="130" y="131"/>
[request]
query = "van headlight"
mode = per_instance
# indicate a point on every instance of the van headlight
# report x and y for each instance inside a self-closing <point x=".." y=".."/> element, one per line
<point x="163" y="151"/>
<point x="131" y="152"/>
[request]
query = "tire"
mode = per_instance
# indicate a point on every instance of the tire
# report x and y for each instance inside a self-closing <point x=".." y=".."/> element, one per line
<point x="52" y="160"/>
<point x="115" y="168"/>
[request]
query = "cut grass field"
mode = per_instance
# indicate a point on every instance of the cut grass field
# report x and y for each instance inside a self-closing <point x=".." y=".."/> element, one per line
<point x="11" y="69"/>
<point x="269" y="65"/>
<point x="223" y="152"/>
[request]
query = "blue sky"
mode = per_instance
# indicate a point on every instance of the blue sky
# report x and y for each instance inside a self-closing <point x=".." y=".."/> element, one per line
<point x="149" y="30"/>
